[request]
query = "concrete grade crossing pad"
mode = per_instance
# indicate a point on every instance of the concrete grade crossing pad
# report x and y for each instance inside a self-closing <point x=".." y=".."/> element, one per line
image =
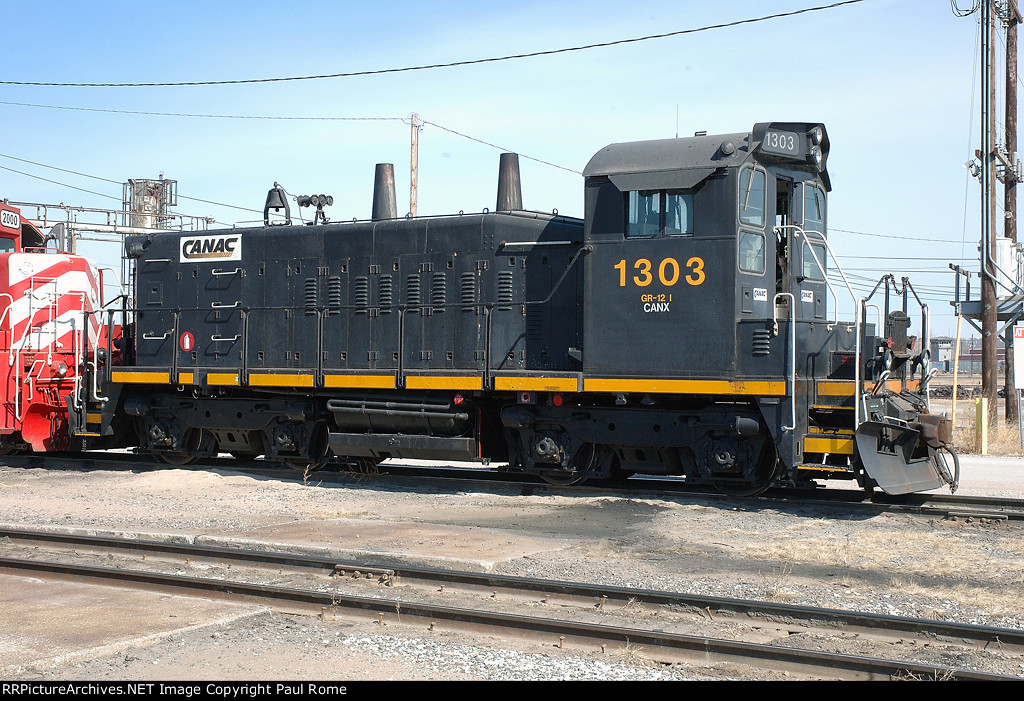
<point x="50" y="624"/>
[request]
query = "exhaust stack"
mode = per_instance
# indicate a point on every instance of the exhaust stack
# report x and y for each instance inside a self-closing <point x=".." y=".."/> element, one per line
<point x="510" y="191"/>
<point x="384" y="203"/>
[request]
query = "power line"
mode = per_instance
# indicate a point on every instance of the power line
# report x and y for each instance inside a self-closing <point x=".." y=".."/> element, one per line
<point x="892" y="236"/>
<point x="101" y="179"/>
<point x="487" y="143"/>
<point x="273" y="117"/>
<point x="205" y="116"/>
<point x="454" y="64"/>
<point x="55" y="182"/>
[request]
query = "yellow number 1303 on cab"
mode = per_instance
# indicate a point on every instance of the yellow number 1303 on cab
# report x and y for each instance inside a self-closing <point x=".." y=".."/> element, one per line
<point x="668" y="272"/>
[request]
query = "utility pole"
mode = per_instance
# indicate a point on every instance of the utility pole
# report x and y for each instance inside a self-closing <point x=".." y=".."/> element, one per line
<point x="989" y="320"/>
<point x="1010" y="192"/>
<point x="414" y="162"/>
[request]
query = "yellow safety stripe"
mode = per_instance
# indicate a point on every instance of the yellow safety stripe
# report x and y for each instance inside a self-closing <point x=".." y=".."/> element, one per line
<point x="844" y="388"/>
<point x="840" y="446"/>
<point x="746" y="387"/>
<point x="222" y="378"/>
<point x="140" y="377"/>
<point x="360" y="381"/>
<point x="444" y="382"/>
<point x="536" y="384"/>
<point x="264" y="379"/>
<point x="186" y="378"/>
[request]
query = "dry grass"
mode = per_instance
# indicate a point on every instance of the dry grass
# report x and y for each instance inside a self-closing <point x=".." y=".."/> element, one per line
<point x="1004" y="439"/>
<point x="930" y="564"/>
<point x="773" y="585"/>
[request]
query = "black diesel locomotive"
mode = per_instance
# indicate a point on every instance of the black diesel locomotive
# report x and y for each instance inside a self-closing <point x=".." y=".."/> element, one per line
<point x="685" y="326"/>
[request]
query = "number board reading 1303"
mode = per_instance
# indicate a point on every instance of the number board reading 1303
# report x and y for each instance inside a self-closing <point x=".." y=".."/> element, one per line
<point x="783" y="143"/>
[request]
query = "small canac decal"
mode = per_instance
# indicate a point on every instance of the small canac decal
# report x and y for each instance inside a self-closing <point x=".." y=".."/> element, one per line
<point x="760" y="294"/>
<point x="210" y="248"/>
<point x="806" y="295"/>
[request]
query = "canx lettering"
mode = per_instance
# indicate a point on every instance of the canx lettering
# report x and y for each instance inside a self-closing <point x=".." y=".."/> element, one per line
<point x="195" y="248"/>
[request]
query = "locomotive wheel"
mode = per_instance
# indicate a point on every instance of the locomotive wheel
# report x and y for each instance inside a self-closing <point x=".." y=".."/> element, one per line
<point x="177" y="459"/>
<point x="195" y="439"/>
<point x="563" y="480"/>
<point x="742" y="489"/>
<point x="581" y="463"/>
<point x="767" y="463"/>
<point x="319" y="453"/>
<point x="305" y="466"/>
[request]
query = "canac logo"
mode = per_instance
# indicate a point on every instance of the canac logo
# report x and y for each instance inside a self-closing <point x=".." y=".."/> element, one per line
<point x="10" y="219"/>
<point x="224" y="247"/>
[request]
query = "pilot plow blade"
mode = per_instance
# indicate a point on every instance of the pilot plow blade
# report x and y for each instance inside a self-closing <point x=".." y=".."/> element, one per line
<point x="897" y="459"/>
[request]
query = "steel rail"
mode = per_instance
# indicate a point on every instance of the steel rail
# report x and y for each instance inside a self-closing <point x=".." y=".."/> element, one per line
<point x="1002" y="508"/>
<point x="663" y="646"/>
<point x="569" y="593"/>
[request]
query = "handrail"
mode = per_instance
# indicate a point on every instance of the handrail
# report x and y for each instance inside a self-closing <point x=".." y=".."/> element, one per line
<point x="820" y="237"/>
<point x="792" y="349"/>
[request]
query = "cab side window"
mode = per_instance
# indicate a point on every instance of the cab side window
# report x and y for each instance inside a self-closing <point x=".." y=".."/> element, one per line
<point x="752" y="214"/>
<point x="652" y="213"/>
<point x="752" y="196"/>
<point x="752" y="252"/>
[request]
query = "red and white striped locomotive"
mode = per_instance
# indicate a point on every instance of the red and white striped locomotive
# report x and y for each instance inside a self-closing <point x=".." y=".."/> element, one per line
<point x="51" y="338"/>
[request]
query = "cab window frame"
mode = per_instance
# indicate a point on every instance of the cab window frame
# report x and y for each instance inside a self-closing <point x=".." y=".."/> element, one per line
<point x="751" y="228"/>
<point x="745" y="234"/>
<point x="667" y="212"/>
<point x="818" y="239"/>
<point x="750" y="171"/>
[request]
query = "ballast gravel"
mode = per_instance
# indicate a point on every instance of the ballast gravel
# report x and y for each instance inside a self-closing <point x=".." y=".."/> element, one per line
<point x="967" y="570"/>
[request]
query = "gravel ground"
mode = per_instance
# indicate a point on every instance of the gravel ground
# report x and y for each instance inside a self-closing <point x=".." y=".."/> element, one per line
<point x="958" y="570"/>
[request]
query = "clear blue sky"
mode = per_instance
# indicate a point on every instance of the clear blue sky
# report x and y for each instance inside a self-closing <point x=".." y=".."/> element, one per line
<point x="891" y="79"/>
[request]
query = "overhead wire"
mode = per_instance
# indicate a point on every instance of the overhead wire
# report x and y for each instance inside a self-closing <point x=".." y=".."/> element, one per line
<point x="453" y="64"/>
<point x="102" y="179"/>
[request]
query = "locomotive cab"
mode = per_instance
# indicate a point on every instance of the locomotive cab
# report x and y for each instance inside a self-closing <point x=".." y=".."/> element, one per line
<point x="710" y="261"/>
<point x="692" y="235"/>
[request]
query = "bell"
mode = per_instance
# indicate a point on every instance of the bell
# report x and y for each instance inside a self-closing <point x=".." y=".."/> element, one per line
<point x="276" y="200"/>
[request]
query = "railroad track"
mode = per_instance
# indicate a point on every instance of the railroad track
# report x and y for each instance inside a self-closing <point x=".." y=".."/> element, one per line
<point x="760" y="634"/>
<point x="930" y="505"/>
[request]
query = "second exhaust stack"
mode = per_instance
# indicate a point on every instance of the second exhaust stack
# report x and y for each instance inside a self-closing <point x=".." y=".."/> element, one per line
<point x="384" y="203"/>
